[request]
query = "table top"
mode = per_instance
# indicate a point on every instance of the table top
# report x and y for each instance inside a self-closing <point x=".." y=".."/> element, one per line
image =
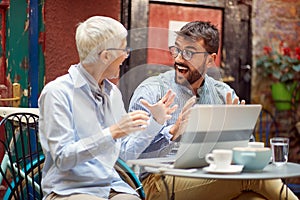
<point x="269" y="172"/>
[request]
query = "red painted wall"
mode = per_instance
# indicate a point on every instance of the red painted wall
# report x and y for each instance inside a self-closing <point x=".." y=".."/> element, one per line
<point x="61" y="18"/>
<point x="160" y="15"/>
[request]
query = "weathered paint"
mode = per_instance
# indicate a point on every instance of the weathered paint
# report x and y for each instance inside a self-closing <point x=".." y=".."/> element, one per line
<point x="3" y="9"/>
<point x="4" y="91"/>
<point x="18" y="48"/>
<point x="25" y="62"/>
<point x="33" y="73"/>
<point x="17" y="45"/>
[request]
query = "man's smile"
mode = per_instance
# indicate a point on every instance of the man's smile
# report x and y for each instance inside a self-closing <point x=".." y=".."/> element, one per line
<point x="182" y="69"/>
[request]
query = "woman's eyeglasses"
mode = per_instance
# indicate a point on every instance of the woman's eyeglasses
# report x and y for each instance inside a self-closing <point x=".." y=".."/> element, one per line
<point x="186" y="54"/>
<point x="127" y="50"/>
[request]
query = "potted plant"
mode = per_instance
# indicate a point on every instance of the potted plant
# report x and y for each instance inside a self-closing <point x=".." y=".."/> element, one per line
<point x="282" y="67"/>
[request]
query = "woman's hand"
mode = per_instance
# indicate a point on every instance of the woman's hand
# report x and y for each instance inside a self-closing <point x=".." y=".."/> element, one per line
<point x="129" y="123"/>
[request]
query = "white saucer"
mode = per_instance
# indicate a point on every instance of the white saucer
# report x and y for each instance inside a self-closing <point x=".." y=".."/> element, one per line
<point x="230" y="170"/>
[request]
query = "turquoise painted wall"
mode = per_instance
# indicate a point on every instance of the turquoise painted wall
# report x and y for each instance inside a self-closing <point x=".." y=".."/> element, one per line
<point x="17" y="46"/>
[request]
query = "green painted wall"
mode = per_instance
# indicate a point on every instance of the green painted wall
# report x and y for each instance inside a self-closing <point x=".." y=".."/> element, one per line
<point x="17" y="45"/>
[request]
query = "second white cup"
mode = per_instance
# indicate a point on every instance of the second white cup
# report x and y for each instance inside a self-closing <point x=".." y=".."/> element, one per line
<point x="219" y="158"/>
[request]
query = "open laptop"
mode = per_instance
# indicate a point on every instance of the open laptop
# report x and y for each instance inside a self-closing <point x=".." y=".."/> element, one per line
<point x="209" y="127"/>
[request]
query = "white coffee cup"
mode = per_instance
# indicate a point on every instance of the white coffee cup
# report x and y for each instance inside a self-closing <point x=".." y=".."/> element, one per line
<point x="256" y="144"/>
<point x="219" y="158"/>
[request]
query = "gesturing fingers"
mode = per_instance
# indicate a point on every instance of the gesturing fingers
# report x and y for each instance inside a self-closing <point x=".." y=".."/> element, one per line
<point x="190" y="102"/>
<point x="138" y="114"/>
<point x="131" y="122"/>
<point x="228" y="98"/>
<point x="162" y="110"/>
<point x="234" y="101"/>
<point x="138" y="119"/>
<point x="170" y="96"/>
<point x="164" y="99"/>
<point x="172" y="109"/>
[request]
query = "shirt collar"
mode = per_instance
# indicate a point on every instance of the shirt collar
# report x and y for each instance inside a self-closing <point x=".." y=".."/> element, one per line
<point x="82" y="78"/>
<point x="202" y="86"/>
<point x="77" y="78"/>
<point x="89" y="79"/>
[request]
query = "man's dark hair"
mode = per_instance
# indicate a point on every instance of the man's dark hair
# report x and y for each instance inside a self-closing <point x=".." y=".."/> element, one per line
<point x="197" y="30"/>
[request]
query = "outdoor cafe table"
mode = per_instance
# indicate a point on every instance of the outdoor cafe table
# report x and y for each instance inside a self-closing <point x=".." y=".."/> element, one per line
<point x="269" y="172"/>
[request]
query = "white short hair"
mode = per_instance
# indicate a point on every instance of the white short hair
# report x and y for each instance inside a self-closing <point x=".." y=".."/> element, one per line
<point x="96" y="34"/>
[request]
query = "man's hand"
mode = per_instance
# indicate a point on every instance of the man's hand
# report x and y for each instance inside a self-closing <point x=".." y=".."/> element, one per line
<point x="131" y="122"/>
<point x="180" y="125"/>
<point x="162" y="110"/>
<point x="235" y="100"/>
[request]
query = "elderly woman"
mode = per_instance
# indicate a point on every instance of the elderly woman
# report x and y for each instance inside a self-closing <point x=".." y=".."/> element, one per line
<point x="82" y="118"/>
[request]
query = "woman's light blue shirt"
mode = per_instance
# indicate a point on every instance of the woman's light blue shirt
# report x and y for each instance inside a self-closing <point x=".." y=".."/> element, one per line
<point x="79" y="149"/>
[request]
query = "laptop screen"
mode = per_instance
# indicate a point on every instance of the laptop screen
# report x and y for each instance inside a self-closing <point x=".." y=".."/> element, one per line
<point x="215" y="127"/>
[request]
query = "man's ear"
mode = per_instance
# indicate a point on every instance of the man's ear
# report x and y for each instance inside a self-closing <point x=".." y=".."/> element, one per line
<point x="214" y="56"/>
<point x="211" y="60"/>
<point x="105" y="56"/>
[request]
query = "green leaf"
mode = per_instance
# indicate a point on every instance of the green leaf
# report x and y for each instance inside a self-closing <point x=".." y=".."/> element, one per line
<point x="296" y="68"/>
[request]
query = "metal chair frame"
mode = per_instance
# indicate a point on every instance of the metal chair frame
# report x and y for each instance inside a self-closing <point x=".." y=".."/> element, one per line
<point x="22" y="161"/>
<point x="128" y="175"/>
<point x="266" y="127"/>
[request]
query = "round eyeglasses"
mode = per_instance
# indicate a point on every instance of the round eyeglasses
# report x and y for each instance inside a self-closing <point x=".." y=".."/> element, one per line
<point x="127" y="50"/>
<point x="186" y="54"/>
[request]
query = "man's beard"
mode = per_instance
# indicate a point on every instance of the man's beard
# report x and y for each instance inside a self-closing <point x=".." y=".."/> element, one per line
<point x="192" y="77"/>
